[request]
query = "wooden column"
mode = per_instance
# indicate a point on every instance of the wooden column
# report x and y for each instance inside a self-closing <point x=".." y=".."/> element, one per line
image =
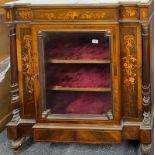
<point x="14" y="73"/>
<point x="146" y="87"/>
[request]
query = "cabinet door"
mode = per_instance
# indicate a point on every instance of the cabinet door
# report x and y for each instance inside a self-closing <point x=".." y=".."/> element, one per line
<point x="78" y="73"/>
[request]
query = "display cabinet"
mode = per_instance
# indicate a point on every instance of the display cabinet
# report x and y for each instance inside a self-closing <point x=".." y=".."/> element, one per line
<point x="81" y="71"/>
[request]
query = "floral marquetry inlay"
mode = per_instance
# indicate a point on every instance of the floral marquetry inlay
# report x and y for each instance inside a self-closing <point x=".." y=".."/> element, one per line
<point x="129" y="62"/>
<point x="27" y="63"/>
<point x="52" y="14"/>
<point x="9" y="15"/>
<point x="129" y="72"/>
<point x="129" y="13"/>
<point x="71" y="15"/>
<point x="24" y="14"/>
<point x="80" y="15"/>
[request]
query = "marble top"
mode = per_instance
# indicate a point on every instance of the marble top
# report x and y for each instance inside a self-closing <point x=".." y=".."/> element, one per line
<point x="74" y="2"/>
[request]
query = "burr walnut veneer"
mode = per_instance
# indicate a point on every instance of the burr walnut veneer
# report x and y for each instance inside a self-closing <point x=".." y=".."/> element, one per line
<point x="81" y="73"/>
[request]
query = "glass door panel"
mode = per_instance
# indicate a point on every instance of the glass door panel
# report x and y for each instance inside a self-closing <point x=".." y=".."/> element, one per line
<point x="76" y="75"/>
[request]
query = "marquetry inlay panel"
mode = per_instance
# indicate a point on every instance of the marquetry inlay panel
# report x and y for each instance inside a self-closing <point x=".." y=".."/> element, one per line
<point x="131" y="71"/>
<point x="76" y="14"/>
<point x="52" y="14"/>
<point x="24" y="14"/>
<point x="26" y="69"/>
<point x="129" y="13"/>
<point x="9" y="14"/>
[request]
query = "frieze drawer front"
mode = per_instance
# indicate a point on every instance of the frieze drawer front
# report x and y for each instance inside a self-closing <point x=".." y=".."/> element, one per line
<point x="53" y="15"/>
<point x="81" y="72"/>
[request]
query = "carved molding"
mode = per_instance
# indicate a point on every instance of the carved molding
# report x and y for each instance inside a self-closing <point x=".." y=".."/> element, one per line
<point x="147" y="119"/>
<point x="146" y="95"/>
<point x="14" y="93"/>
<point x="15" y="116"/>
<point x="146" y="103"/>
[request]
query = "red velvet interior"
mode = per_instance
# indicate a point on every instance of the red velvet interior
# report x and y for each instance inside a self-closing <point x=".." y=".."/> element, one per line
<point x="79" y="102"/>
<point x="78" y="75"/>
<point x="83" y="52"/>
<point x="76" y="46"/>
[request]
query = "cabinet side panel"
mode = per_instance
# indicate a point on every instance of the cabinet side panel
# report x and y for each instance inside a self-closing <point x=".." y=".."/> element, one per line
<point x="26" y="71"/>
<point x="131" y="71"/>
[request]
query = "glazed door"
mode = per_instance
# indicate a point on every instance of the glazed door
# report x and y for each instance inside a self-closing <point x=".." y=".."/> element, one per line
<point x="78" y="73"/>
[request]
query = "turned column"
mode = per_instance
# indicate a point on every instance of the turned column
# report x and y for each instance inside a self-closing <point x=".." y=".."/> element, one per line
<point x="14" y="73"/>
<point x="146" y="87"/>
<point x="145" y="134"/>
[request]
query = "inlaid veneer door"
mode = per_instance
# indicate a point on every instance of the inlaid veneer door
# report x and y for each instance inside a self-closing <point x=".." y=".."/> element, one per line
<point x="78" y="68"/>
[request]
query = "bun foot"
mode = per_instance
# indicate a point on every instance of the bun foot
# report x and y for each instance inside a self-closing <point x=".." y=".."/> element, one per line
<point x="145" y="149"/>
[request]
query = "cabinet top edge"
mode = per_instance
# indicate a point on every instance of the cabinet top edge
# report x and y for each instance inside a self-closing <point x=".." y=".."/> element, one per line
<point x="75" y="3"/>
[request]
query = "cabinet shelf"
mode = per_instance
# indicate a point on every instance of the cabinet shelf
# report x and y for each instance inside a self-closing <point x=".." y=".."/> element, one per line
<point x="106" y="61"/>
<point x="79" y="89"/>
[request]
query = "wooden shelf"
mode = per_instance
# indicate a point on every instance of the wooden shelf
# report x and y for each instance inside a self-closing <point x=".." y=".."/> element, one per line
<point x="79" y="89"/>
<point x="106" y="61"/>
